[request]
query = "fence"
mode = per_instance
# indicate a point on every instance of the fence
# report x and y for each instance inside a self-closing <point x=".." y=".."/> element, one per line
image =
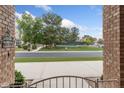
<point x="68" y="82"/>
<point x="65" y="82"/>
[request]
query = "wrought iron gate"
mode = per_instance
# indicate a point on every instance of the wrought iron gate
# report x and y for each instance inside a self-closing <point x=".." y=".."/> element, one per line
<point x="66" y="82"/>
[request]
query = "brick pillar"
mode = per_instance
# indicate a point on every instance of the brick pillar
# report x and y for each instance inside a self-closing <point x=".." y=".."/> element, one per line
<point x="7" y="55"/>
<point x="113" y="32"/>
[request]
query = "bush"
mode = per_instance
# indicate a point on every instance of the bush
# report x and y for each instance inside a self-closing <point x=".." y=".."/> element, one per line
<point x="19" y="46"/>
<point x="25" y="47"/>
<point x="19" y="78"/>
<point x="34" y="46"/>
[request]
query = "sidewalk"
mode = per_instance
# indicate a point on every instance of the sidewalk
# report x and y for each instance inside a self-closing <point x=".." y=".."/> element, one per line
<point x="37" y="49"/>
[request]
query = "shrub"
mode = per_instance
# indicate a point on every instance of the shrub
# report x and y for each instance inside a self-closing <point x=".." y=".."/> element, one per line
<point x="19" y="78"/>
<point x="19" y="46"/>
<point x="25" y="47"/>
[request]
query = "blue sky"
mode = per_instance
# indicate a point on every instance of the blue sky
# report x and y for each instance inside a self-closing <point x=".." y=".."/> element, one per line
<point x="87" y="18"/>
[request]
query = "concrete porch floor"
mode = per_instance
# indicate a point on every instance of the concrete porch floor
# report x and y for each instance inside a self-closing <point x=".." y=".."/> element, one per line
<point x="41" y="70"/>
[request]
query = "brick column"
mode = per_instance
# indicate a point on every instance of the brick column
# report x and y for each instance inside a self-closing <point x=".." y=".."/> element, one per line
<point x="7" y="20"/>
<point x="113" y="31"/>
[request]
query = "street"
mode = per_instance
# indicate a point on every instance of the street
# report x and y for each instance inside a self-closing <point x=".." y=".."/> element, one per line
<point x="60" y="54"/>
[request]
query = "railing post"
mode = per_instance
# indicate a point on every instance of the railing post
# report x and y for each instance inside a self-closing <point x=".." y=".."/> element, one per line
<point x="97" y="83"/>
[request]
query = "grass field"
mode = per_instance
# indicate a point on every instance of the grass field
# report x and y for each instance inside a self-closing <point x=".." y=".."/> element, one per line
<point x="19" y="49"/>
<point x="83" y="48"/>
<point x="38" y="59"/>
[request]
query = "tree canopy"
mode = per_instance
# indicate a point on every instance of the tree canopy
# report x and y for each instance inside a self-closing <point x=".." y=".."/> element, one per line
<point x="88" y="39"/>
<point x="46" y="30"/>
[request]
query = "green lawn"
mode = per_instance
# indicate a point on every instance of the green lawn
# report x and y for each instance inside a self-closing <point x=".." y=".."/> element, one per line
<point x="83" y="48"/>
<point x="19" y="49"/>
<point x="38" y="59"/>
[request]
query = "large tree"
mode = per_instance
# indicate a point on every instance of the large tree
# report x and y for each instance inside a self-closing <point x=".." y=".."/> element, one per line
<point x="64" y="36"/>
<point x="52" y="28"/>
<point x="71" y="35"/>
<point x="46" y="30"/>
<point x="30" y="28"/>
<point x="100" y="41"/>
<point x="37" y="32"/>
<point x="74" y="34"/>
<point x="26" y="27"/>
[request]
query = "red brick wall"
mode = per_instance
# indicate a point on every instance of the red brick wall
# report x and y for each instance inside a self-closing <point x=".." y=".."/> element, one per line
<point x="111" y="34"/>
<point x="7" y="20"/>
<point x="113" y="30"/>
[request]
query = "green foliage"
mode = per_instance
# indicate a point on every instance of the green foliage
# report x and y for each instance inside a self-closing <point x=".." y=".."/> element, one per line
<point x="52" y="29"/>
<point x="26" y="27"/>
<point x="19" y="46"/>
<point x="73" y="35"/>
<point x="19" y="78"/>
<point x="25" y="47"/>
<point x="88" y="39"/>
<point x="37" y="31"/>
<point x="30" y="28"/>
<point x="47" y="30"/>
<point x="52" y="19"/>
<point x="100" y="41"/>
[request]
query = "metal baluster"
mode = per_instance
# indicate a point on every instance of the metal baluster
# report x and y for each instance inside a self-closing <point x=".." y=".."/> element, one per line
<point x="56" y="82"/>
<point x="43" y="84"/>
<point x="76" y="82"/>
<point x="63" y="82"/>
<point x="69" y="82"/>
<point x="96" y="83"/>
<point x="50" y="83"/>
<point x="82" y="83"/>
<point x="36" y="86"/>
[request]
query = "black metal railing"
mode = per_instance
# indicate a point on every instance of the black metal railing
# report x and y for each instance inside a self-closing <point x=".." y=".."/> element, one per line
<point x="65" y="82"/>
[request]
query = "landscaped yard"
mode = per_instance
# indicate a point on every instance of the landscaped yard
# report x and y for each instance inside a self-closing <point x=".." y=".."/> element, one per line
<point x="83" y="48"/>
<point x="39" y="59"/>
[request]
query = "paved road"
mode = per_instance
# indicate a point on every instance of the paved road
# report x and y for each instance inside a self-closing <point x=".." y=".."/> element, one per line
<point x="60" y="54"/>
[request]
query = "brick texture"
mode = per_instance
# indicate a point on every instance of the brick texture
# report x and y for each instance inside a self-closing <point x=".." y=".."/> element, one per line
<point x="122" y="46"/>
<point x="113" y="32"/>
<point x="7" y="55"/>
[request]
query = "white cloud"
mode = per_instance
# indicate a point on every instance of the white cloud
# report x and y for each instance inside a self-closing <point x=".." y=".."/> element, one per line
<point x="44" y="7"/>
<point x="27" y="12"/>
<point x="69" y="24"/>
<point x="18" y="15"/>
<point x="83" y="30"/>
<point x="94" y="31"/>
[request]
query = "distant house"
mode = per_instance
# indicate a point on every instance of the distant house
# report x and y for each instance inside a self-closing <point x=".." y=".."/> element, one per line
<point x="18" y="42"/>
